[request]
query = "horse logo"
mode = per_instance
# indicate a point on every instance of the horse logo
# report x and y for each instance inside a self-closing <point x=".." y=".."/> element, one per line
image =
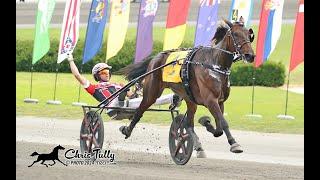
<point x="46" y="157"/>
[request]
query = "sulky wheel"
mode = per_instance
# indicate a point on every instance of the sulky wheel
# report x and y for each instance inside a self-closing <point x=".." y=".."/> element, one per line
<point x="180" y="141"/>
<point x="91" y="132"/>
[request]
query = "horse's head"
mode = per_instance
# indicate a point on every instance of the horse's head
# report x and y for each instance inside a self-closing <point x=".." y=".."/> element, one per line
<point x="59" y="147"/>
<point x="239" y="38"/>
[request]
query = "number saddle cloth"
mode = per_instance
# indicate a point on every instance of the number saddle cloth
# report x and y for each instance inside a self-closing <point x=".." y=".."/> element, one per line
<point x="171" y="73"/>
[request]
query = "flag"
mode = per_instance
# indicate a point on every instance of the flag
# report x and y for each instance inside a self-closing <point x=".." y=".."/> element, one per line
<point x="41" y="39"/>
<point x="96" y="23"/>
<point x="297" y="51"/>
<point x="70" y="29"/>
<point x="269" y="29"/>
<point x="144" y="42"/>
<point x="241" y="9"/>
<point x="207" y="22"/>
<point x="176" y="23"/>
<point x="119" y="20"/>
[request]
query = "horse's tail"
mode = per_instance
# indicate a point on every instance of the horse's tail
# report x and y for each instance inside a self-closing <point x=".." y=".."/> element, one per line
<point x="135" y="70"/>
<point x="34" y="154"/>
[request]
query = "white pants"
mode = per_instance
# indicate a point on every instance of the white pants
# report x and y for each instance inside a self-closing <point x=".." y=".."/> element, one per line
<point x="135" y="103"/>
<point x="165" y="99"/>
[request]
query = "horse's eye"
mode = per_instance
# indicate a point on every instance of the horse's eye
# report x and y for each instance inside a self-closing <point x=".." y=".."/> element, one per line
<point x="251" y="35"/>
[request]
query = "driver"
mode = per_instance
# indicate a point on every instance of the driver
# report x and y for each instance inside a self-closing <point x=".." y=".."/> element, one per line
<point x="104" y="88"/>
<point x="101" y="73"/>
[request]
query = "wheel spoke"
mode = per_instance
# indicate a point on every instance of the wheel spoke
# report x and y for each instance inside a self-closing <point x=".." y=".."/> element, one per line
<point x="84" y="136"/>
<point x="95" y="127"/>
<point x="177" y="148"/>
<point x="184" y="150"/>
<point x="184" y="136"/>
<point x="95" y="142"/>
<point x="90" y="142"/>
<point x="174" y="134"/>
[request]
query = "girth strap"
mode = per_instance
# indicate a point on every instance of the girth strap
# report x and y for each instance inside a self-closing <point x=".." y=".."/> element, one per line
<point x="185" y="72"/>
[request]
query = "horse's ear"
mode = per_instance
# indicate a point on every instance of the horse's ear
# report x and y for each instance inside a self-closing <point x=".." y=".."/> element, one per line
<point x="228" y="23"/>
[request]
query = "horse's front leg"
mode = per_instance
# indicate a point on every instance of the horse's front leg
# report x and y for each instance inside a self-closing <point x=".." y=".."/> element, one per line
<point x="34" y="162"/>
<point x="214" y="108"/>
<point x="43" y="163"/>
<point x="150" y="95"/>
<point x="191" y="110"/>
<point x="61" y="162"/>
<point x="235" y="147"/>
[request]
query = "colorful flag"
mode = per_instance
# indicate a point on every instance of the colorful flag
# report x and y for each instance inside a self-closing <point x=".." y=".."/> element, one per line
<point x="119" y="20"/>
<point x="70" y="29"/>
<point x="297" y="51"/>
<point x="241" y="11"/>
<point x="96" y="23"/>
<point x="207" y="22"/>
<point x="41" y="39"/>
<point x="144" y="43"/>
<point x="269" y="29"/>
<point x="176" y="23"/>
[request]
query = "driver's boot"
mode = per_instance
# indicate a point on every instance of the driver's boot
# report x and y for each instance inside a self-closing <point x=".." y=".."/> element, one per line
<point x="176" y="102"/>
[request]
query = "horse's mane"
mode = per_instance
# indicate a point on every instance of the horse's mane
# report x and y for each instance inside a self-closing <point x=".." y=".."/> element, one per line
<point x="222" y="28"/>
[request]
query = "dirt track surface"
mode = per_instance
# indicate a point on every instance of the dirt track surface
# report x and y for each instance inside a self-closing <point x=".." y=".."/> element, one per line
<point x="145" y="154"/>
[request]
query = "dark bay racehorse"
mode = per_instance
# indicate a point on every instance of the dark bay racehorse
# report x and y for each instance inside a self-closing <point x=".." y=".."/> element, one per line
<point x="209" y="84"/>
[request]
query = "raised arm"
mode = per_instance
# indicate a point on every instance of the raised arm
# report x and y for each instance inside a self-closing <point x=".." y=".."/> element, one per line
<point x="82" y="80"/>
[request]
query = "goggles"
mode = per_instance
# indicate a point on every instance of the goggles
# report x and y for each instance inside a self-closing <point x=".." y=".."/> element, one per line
<point x="104" y="72"/>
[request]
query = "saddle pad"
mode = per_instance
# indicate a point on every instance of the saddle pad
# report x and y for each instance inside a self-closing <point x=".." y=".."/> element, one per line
<point x="171" y="73"/>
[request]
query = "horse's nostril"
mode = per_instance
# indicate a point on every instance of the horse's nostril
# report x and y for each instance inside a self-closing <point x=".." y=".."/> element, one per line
<point x="249" y="56"/>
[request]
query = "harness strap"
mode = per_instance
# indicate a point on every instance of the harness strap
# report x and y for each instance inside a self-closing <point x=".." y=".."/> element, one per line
<point x="212" y="67"/>
<point x="185" y="72"/>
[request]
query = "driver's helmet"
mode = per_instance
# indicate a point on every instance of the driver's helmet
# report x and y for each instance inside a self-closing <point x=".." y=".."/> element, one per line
<point x="98" y="67"/>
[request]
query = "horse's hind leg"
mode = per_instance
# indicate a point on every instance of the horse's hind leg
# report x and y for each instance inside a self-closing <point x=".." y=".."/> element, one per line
<point x="235" y="147"/>
<point x="191" y="110"/>
<point x="151" y="92"/>
<point x="53" y="163"/>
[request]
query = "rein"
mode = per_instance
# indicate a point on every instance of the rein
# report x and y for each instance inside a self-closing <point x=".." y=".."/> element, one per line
<point x="237" y="55"/>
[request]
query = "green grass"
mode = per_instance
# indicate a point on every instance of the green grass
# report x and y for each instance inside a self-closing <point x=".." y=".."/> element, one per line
<point x="269" y="102"/>
<point x="281" y="53"/>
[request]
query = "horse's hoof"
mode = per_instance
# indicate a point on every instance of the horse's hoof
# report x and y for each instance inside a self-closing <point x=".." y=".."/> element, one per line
<point x="236" y="148"/>
<point x="201" y="154"/>
<point x="204" y="120"/>
<point x="124" y="130"/>
<point x="217" y="133"/>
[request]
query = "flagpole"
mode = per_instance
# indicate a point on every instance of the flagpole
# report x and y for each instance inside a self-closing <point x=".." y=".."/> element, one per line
<point x="31" y="81"/>
<point x="30" y="100"/>
<point x="79" y="103"/>
<point x="253" y="81"/>
<point x="285" y="113"/>
<point x="285" y="116"/>
<point x="256" y="116"/>
<point x="54" y="101"/>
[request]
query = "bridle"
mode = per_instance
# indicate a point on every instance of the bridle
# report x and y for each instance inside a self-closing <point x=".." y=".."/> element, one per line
<point x="237" y="55"/>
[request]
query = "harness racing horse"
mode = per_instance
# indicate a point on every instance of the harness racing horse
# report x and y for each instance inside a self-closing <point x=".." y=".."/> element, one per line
<point x="209" y="79"/>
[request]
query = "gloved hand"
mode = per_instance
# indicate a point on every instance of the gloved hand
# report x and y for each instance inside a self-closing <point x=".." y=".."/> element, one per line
<point x="70" y="57"/>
